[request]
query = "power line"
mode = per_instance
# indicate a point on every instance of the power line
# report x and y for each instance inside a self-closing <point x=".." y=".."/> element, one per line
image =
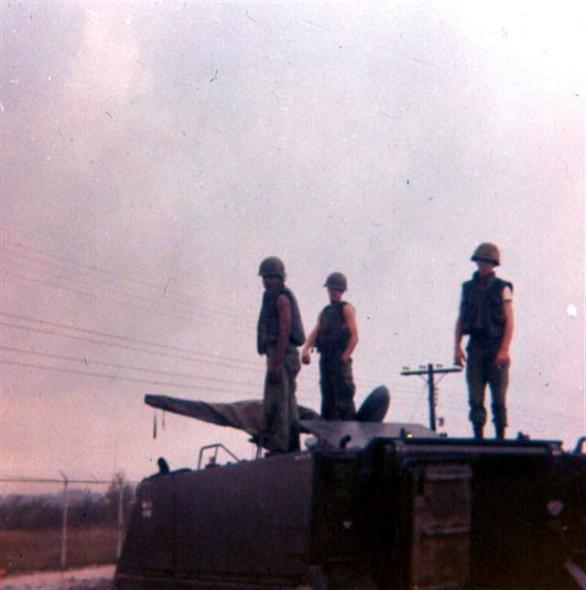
<point x="128" y="347"/>
<point x="312" y="398"/>
<point x="90" y="294"/>
<point x="529" y="413"/>
<point x="124" y="367"/>
<point x="120" y="277"/>
<point x="417" y="408"/>
<point x="120" y="296"/>
<point x="39" y="266"/>
<point x="113" y="377"/>
<point x="118" y="337"/>
<point x="143" y="369"/>
<point x="193" y="355"/>
<point x="309" y="397"/>
<point x="231" y="362"/>
<point x="95" y="269"/>
<point x="523" y="416"/>
<point x="117" y="300"/>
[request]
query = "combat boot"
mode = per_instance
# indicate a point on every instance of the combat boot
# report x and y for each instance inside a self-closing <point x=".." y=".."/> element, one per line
<point x="500" y="433"/>
<point x="478" y="431"/>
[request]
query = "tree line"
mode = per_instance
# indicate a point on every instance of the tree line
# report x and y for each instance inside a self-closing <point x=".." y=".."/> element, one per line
<point x="85" y="508"/>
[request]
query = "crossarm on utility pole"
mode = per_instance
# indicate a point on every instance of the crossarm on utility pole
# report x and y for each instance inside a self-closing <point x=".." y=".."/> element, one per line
<point x="430" y="370"/>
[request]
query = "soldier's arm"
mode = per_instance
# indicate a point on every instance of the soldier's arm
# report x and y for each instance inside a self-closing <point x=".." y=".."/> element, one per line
<point x="459" y="355"/>
<point x="350" y="319"/>
<point x="503" y="356"/>
<point x="309" y="344"/>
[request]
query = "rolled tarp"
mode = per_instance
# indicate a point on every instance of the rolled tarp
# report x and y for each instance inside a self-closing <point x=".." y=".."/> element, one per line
<point x="246" y="415"/>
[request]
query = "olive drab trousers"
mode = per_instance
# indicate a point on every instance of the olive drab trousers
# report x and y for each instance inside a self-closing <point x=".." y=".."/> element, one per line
<point x="337" y="387"/>
<point x="281" y="433"/>
<point x="481" y="371"/>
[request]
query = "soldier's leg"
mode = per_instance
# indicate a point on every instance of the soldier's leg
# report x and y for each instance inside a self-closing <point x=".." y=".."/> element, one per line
<point x="475" y="377"/>
<point x="344" y="390"/>
<point x="276" y="410"/>
<point x="498" y="383"/>
<point x="293" y="366"/>
<point x="328" y="399"/>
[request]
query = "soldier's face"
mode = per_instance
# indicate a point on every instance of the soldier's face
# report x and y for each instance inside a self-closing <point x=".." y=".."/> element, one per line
<point x="335" y="294"/>
<point x="270" y="282"/>
<point x="485" y="267"/>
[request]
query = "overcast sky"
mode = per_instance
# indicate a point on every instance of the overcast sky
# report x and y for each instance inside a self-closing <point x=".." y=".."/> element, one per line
<point x="154" y="152"/>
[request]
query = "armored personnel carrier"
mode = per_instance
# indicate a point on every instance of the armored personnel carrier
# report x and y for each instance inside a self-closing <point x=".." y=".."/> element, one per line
<point x="368" y="505"/>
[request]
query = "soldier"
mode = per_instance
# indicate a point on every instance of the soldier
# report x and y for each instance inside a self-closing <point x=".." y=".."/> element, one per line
<point x="335" y="336"/>
<point x="486" y="316"/>
<point x="280" y="332"/>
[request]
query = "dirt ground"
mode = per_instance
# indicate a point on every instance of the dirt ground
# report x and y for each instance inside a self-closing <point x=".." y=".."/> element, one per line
<point x="91" y="578"/>
<point x="23" y="551"/>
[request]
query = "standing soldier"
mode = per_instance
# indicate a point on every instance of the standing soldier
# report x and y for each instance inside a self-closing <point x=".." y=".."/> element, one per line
<point x="486" y="316"/>
<point x="280" y="332"/>
<point x="335" y="336"/>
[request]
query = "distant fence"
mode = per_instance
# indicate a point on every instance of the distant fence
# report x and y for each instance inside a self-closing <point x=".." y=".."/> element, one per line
<point x="47" y="500"/>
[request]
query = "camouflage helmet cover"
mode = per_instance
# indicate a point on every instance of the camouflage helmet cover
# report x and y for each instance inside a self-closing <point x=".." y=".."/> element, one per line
<point x="337" y="280"/>
<point x="272" y="267"/>
<point x="487" y="251"/>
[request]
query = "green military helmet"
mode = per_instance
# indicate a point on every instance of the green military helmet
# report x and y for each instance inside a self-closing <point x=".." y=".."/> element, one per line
<point x="487" y="251"/>
<point x="337" y="280"/>
<point x="272" y="267"/>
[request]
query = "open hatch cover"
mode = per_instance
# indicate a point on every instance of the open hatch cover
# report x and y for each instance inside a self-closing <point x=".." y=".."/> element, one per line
<point x="362" y="433"/>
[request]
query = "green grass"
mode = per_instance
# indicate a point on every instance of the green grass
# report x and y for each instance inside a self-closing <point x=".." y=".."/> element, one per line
<point x="31" y="550"/>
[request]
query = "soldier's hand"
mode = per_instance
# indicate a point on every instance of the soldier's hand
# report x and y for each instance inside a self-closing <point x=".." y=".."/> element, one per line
<point x="306" y="357"/>
<point x="502" y="358"/>
<point x="459" y="357"/>
<point x="345" y="357"/>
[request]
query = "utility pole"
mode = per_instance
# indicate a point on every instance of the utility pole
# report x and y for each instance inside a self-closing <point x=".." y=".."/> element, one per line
<point x="430" y="371"/>
<point x="64" y="522"/>
<point x="120" y="514"/>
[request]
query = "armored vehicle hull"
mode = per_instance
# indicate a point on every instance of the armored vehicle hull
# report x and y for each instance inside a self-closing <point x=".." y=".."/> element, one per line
<point x="370" y="506"/>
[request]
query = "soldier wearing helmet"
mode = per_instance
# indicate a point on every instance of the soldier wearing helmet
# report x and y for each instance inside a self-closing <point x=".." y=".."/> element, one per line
<point x="335" y="336"/>
<point x="486" y="317"/>
<point x="279" y="333"/>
